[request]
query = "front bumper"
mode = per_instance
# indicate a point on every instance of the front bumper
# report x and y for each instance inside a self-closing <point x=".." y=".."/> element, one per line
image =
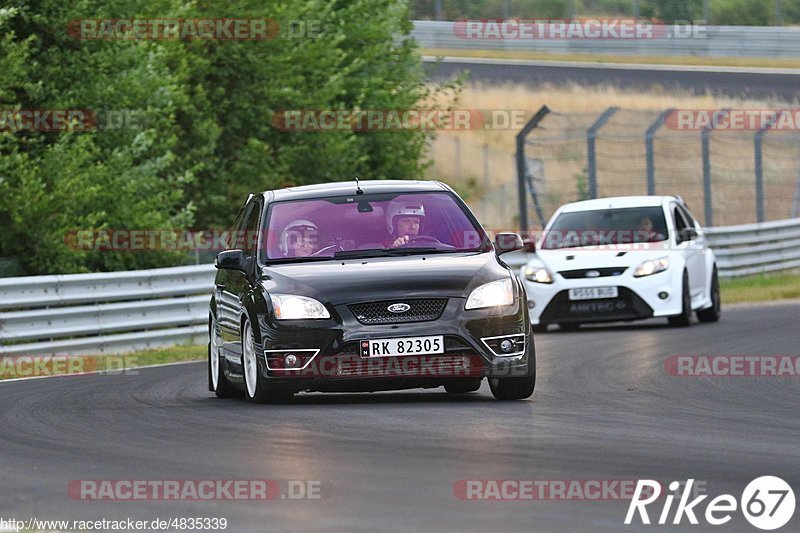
<point x="333" y="361"/>
<point x="639" y="298"/>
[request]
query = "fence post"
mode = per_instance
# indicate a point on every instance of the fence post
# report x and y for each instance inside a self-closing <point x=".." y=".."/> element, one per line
<point x="707" y="205"/>
<point x="591" y="135"/>
<point x="796" y="202"/>
<point x="758" y="140"/>
<point x="648" y="143"/>
<point x="521" y="186"/>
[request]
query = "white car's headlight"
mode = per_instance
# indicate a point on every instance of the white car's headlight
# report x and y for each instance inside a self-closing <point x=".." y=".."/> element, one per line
<point x="538" y="274"/>
<point x="293" y="307"/>
<point x="653" y="266"/>
<point x="492" y="294"/>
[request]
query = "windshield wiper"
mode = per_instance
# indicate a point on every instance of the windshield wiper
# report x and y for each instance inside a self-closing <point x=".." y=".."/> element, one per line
<point x="389" y="252"/>
<point x="288" y="260"/>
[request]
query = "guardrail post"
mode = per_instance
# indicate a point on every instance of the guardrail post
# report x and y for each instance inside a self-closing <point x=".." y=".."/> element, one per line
<point x="648" y="143"/>
<point x="521" y="171"/>
<point x="591" y="136"/>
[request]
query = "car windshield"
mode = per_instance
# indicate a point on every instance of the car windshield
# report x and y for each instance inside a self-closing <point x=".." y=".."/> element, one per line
<point x="606" y="227"/>
<point x="369" y="226"/>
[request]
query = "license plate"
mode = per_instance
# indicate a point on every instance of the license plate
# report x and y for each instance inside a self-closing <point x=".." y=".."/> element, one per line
<point x="404" y="346"/>
<point x="593" y="293"/>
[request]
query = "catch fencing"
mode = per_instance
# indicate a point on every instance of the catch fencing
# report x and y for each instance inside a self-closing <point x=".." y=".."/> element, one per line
<point x="726" y="176"/>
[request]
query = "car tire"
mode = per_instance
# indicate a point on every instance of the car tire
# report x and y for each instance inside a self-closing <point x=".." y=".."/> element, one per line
<point x="539" y="328"/>
<point x="217" y="382"/>
<point x="712" y="313"/>
<point x="255" y="390"/>
<point x="684" y="319"/>
<point x="507" y="389"/>
<point x="569" y="326"/>
<point x="463" y="386"/>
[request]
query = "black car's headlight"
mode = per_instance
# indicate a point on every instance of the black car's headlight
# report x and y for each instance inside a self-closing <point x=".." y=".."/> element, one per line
<point x="492" y="294"/>
<point x="293" y="307"/>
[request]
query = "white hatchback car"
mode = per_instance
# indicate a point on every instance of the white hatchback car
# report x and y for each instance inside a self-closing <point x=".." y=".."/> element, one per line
<point x="624" y="258"/>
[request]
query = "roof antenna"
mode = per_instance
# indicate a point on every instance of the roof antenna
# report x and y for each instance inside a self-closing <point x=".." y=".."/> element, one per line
<point x="358" y="187"/>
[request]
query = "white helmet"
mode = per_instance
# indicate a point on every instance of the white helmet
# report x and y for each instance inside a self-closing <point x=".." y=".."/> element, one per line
<point x="402" y="208"/>
<point x="297" y="225"/>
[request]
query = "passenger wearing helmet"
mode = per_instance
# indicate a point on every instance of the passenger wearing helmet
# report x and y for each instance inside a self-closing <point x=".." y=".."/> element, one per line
<point x="299" y="238"/>
<point x="403" y="220"/>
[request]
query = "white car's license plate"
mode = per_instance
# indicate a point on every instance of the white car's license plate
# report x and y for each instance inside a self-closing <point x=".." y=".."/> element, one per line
<point x="404" y="346"/>
<point x="593" y="293"/>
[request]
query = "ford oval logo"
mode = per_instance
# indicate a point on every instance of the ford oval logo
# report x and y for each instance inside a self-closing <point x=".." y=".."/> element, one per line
<point x="593" y="274"/>
<point x="398" y="308"/>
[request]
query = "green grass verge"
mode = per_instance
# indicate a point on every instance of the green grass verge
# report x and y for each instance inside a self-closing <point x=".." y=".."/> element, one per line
<point x="31" y="366"/>
<point x="606" y="58"/>
<point x="171" y="354"/>
<point x="761" y="288"/>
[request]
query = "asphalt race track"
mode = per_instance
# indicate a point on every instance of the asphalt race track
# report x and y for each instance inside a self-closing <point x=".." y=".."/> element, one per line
<point x="604" y="408"/>
<point x="736" y="82"/>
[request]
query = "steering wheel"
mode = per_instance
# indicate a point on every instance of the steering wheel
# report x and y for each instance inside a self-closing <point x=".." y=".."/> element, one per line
<point x="336" y="247"/>
<point x="425" y="239"/>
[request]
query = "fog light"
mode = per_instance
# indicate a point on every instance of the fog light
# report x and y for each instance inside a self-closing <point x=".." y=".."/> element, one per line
<point x="290" y="360"/>
<point x="507" y="346"/>
<point x="531" y="304"/>
<point x="663" y="295"/>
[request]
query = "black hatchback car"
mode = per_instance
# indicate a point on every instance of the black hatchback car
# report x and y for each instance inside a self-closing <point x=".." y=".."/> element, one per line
<point x="377" y="285"/>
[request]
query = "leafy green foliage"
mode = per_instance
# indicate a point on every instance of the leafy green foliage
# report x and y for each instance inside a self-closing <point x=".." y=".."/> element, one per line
<point x="204" y="137"/>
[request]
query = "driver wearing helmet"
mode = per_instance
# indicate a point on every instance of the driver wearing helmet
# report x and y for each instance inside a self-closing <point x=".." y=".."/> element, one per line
<point x="403" y="220"/>
<point x="299" y="239"/>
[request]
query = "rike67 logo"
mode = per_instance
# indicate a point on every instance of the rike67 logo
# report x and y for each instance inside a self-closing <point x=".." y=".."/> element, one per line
<point x="767" y="503"/>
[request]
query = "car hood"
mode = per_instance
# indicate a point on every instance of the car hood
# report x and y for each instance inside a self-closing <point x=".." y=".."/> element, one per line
<point x="452" y="275"/>
<point x="577" y="258"/>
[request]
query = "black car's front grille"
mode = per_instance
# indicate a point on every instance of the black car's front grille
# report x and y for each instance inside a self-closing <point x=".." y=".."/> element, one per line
<point x="596" y="272"/>
<point x="419" y="310"/>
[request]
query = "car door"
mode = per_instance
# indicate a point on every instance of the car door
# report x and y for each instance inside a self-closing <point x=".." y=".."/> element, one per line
<point x="691" y="250"/>
<point x="232" y="285"/>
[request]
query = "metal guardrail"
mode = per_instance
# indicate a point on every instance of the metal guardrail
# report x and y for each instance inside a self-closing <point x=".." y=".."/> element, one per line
<point x="715" y="41"/>
<point x="756" y="248"/>
<point x="127" y="311"/>
<point x="104" y="313"/>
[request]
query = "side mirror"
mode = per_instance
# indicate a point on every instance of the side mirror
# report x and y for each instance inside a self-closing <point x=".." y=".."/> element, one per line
<point x="230" y="260"/>
<point x="688" y="234"/>
<point x="507" y="242"/>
